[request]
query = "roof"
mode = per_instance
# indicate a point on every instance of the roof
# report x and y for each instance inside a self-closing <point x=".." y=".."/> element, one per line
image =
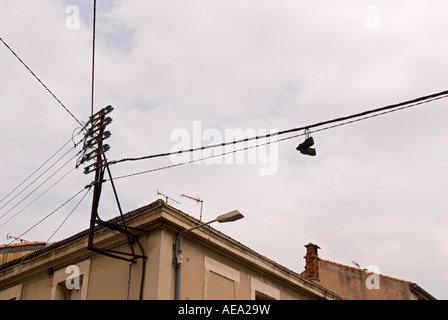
<point x="420" y="292"/>
<point x="154" y="205"/>
<point x="22" y="246"/>
<point x="365" y="270"/>
<point x="75" y="237"/>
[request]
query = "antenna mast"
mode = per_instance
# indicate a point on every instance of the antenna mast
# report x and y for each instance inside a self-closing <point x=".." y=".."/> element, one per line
<point x="166" y="197"/>
<point x="197" y="200"/>
<point x="8" y="236"/>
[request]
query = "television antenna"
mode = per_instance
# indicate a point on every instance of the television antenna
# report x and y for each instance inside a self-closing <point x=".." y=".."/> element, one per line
<point x="195" y="199"/>
<point x="8" y="236"/>
<point x="166" y="197"/>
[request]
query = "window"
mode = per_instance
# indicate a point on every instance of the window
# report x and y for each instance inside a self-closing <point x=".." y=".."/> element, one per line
<point x="221" y="282"/>
<point x="13" y="293"/>
<point x="261" y="296"/>
<point x="71" y="282"/>
<point x="64" y="292"/>
<point x="263" y="291"/>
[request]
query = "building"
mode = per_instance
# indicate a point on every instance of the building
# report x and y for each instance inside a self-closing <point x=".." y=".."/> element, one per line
<point x="358" y="284"/>
<point x="18" y="250"/>
<point x="214" y="266"/>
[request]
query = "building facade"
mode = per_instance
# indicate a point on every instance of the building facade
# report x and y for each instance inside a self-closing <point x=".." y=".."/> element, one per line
<point x="358" y="284"/>
<point x="214" y="266"/>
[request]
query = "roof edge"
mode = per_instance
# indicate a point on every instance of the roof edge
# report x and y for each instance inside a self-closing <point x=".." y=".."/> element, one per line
<point x="419" y="291"/>
<point x="366" y="271"/>
<point x="79" y="235"/>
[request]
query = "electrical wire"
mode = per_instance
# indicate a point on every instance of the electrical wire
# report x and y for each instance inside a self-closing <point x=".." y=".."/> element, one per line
<point x="47" y="216"/>
<point x="34" y="172"/>
<point x="32" y="182"/>
<point x="29" y="194"/>
<point x="93" y="54"/>
<point x="40" y="81"/>
<point x="204" y="158"/>
<point x="386" y="111"/>
<point x="66" y="218"/>
<point x="82" y="127"/>
<point x="381" y="113"/>
<point x="382" y="110"/>
<point x="368" y="115"/>
<point x="75" y="144"/>
<point x="37" y="198"/>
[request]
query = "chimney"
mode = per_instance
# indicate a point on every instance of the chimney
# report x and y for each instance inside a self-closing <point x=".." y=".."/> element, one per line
<point x="312" y="262"/>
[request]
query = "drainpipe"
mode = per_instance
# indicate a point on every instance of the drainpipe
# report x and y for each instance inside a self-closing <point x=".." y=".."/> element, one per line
<point x="178" y="264"/>
<point x="129" y="281"/>
<point x="178" y="257"/>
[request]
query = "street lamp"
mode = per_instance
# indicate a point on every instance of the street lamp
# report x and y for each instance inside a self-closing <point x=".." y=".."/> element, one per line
<point x="226" y="217"/>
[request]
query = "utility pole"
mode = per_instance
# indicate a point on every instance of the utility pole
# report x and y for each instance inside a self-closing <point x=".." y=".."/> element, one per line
<point x="94" y="150"/>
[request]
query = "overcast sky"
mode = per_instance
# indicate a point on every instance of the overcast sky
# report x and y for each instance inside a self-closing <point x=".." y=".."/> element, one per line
<point x="188" y="73"/>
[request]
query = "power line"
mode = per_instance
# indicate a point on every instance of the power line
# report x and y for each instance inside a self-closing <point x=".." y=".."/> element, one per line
<point x="40" y="81"/>
<point x="37" y="198"/>
<point x="93" y="55"/>
<point x="71" y="212"/>
<point x="367" y="116"/>
<point x="381" y="113"/>
<point x="29" y="194"/>
<point x="34" y="172"/>
<point x="37" y="177"/>
<point x="205" y="158"/>
<point x="382" y="110"/>
<point x="50" y="214"/>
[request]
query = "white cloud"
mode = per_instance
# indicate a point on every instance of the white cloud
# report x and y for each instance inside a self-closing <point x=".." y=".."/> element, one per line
<point x="375" y="191"/>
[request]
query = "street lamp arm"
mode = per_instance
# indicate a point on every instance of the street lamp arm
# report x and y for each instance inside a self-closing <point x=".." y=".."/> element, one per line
<point x="198" y="226"/>
<point x="226" y="217"/>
